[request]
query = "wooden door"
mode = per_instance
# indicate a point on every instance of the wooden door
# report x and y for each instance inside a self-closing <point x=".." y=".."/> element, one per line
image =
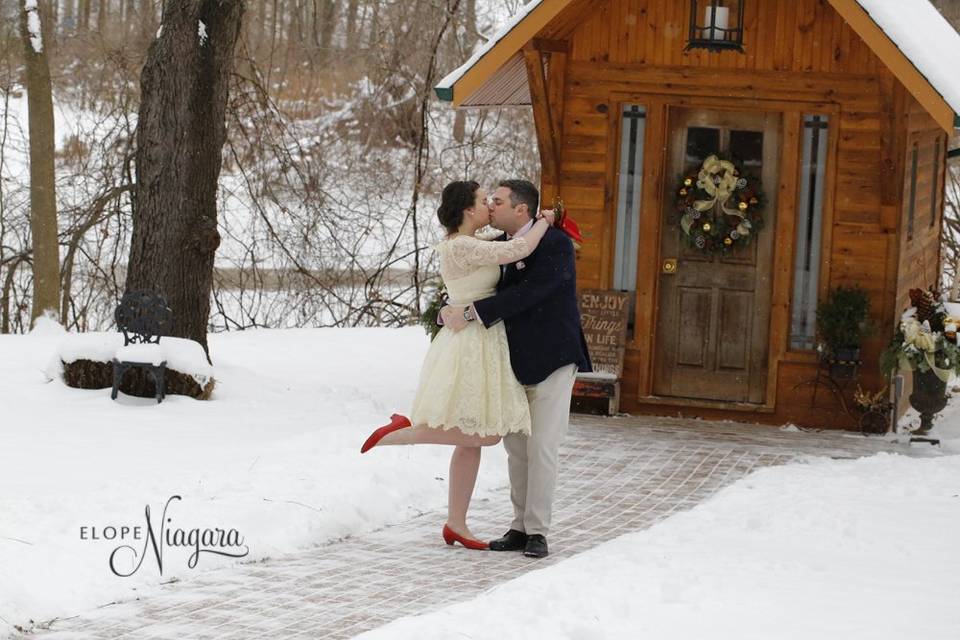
<point x="713" y="312"/>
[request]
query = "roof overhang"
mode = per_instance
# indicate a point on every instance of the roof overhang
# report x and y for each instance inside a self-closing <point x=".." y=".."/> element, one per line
<point x="497" y="68"/>
<point x="892" y="54"/>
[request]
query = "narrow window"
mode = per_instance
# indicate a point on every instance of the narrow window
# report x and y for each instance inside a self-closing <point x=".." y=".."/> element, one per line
<point x="632" y="127"/>
<point x="806" y="265"/>
<point x="935" y="181"/>
<point x="912" y="202"/>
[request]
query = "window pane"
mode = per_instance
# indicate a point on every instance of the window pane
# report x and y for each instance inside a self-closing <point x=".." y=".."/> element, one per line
<point x="746" y="147"/>
<point x="806" y="268"/>
<point x="701" y="142"/>
<point x="935" y="181"/>
<point x="632" y="128"/>
<point x="912" y="202"/>
<point x="630" y="189"/>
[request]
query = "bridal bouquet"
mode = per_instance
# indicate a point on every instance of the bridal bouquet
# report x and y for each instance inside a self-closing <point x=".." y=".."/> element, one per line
<point x="926" y="339"/>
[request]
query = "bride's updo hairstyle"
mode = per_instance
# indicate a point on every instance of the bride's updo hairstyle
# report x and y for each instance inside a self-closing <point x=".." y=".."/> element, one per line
<point x="457" y="197"/>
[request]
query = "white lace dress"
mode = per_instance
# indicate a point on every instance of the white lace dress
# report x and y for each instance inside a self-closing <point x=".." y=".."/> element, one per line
<point x="466" y="380"/>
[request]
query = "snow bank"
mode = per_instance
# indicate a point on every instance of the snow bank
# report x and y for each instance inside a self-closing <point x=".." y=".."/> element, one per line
<point x="185" y="356"/>
<point x="274" y="454"/>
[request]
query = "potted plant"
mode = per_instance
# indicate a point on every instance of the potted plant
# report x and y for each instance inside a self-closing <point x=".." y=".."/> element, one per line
<point x="843" y="320"/>
<point x="925" y="343"/>
<point x="876" y="410"/>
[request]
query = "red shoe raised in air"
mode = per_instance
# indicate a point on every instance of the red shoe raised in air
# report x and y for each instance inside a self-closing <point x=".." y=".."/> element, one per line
<point x="397" y="422"/>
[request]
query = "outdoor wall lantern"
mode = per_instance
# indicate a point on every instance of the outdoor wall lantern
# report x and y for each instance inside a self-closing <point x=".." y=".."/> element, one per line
<point x="716" y="25"/>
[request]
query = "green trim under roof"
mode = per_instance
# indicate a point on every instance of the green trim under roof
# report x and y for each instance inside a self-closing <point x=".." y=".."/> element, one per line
<point x="953" y="153"/>
<point x="446" y="94"/>
<point x="956" y="121"/>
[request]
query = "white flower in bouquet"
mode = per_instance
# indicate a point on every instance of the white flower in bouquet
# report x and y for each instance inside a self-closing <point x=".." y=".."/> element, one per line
<point x="919" y="335"/>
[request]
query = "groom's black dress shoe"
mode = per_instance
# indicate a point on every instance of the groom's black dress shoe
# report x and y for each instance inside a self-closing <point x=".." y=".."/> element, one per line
<point x="536" y="546"/>
<point x="512" y="540"/>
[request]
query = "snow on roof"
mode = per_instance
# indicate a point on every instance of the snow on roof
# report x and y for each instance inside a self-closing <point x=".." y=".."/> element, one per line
<point x="451" y="78"/>
<point x="925" y="38"/>
<point x="915" y="27"/>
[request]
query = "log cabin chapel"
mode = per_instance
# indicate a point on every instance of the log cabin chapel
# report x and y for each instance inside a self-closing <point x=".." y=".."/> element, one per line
<point x="837" y="116"/>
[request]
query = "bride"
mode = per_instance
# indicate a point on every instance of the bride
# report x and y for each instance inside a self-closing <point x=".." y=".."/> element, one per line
<point x="468" y="395"/>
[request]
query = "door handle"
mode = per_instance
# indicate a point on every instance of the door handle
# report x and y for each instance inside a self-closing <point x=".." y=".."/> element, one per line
<point x="669" y="266"/>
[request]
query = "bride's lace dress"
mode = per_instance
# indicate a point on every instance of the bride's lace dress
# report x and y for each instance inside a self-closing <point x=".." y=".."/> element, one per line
<point x="466" y="380"/>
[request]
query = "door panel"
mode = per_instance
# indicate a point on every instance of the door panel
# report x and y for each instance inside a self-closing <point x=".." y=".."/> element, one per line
<point x="714" y="311"/>
<point x="692" y="340"/>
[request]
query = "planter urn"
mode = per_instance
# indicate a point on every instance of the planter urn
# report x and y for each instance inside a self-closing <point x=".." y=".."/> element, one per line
<point x="929" y="397"/>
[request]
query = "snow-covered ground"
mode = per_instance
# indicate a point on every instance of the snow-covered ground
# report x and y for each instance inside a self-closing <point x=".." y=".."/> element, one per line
<point x="274" y="455"/>
<point x="829" y="550"/>
<point x="821" y="549"/>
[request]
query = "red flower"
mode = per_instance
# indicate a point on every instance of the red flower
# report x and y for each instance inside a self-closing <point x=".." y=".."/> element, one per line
<point x="569" y="227"/>
<point x="566" y="224"/>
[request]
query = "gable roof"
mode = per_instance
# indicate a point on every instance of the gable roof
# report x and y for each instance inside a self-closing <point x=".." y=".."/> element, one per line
<point x="501" y="50"/>
<point x="910" y="37"/>
<point x="919" y="47"/>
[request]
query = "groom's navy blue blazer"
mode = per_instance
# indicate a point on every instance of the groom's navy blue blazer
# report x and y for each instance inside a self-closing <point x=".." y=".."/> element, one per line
<point x="537" y="301"/>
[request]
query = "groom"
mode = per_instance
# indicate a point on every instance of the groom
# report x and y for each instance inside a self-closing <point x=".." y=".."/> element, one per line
<point x="536" y="300"/>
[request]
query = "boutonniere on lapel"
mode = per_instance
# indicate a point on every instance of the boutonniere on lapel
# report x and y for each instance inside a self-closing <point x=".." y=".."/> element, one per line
<point x="567" y="224"/>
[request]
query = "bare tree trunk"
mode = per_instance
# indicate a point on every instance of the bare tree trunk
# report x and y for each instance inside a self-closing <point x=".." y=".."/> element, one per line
<point x="328" y="25"/>
<point x="296" y="26"/>
<point x="103" y="10"/>
<point x="84" y="13"/>
<point x="180" y="134"/>
<point x="67" y="18"/>
<point x="469" y="41"/>
<point x="129" y="17"/>
<point x="352" y="7"/>
<point x="148" y="20"/>
<point x="950" y="234"/>
<point x="373" y="35"/>
<point x="423" y="145"/>
<point x="35" y="31"/>
<point x="259" y="29"/>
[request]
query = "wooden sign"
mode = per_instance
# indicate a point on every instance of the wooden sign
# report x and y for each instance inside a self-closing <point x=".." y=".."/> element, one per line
<point x="604" y="317"/>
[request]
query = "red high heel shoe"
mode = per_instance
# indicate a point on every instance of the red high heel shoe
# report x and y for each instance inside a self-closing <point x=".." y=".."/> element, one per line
<point x="397" y="422"/>
<point x="450" y="536"/>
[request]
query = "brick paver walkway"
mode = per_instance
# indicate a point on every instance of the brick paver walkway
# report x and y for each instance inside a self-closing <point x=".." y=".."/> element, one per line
<point x="617" y="475"/>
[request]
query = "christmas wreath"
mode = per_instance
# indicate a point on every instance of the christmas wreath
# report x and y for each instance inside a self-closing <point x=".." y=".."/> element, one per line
<point x="718" y="207"/>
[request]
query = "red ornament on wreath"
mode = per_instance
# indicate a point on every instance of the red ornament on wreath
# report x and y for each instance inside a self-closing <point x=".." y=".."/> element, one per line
<point x="719" y="208"/>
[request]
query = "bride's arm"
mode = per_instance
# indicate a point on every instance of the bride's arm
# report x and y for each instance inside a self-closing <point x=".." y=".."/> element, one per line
<point x="536" y="233"/>
<point x="480" y="252"/>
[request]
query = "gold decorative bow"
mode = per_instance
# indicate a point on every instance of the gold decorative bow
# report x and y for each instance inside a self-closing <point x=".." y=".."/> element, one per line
<point x="718" y="187"/>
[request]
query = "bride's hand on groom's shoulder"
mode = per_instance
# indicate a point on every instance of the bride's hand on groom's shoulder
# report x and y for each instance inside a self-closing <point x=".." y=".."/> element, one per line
<point x="549" y="215"/>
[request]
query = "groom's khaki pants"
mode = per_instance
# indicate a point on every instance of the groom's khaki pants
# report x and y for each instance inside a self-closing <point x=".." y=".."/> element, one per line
<point x="532" y="460"/>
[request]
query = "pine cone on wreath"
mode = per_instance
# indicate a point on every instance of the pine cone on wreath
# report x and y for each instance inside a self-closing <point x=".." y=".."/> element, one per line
<point x="925" y="302"/>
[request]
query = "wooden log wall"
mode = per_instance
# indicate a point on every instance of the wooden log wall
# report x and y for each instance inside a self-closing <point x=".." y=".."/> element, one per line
<point x="922" y="205"/>
<point x="800" y="57"/>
